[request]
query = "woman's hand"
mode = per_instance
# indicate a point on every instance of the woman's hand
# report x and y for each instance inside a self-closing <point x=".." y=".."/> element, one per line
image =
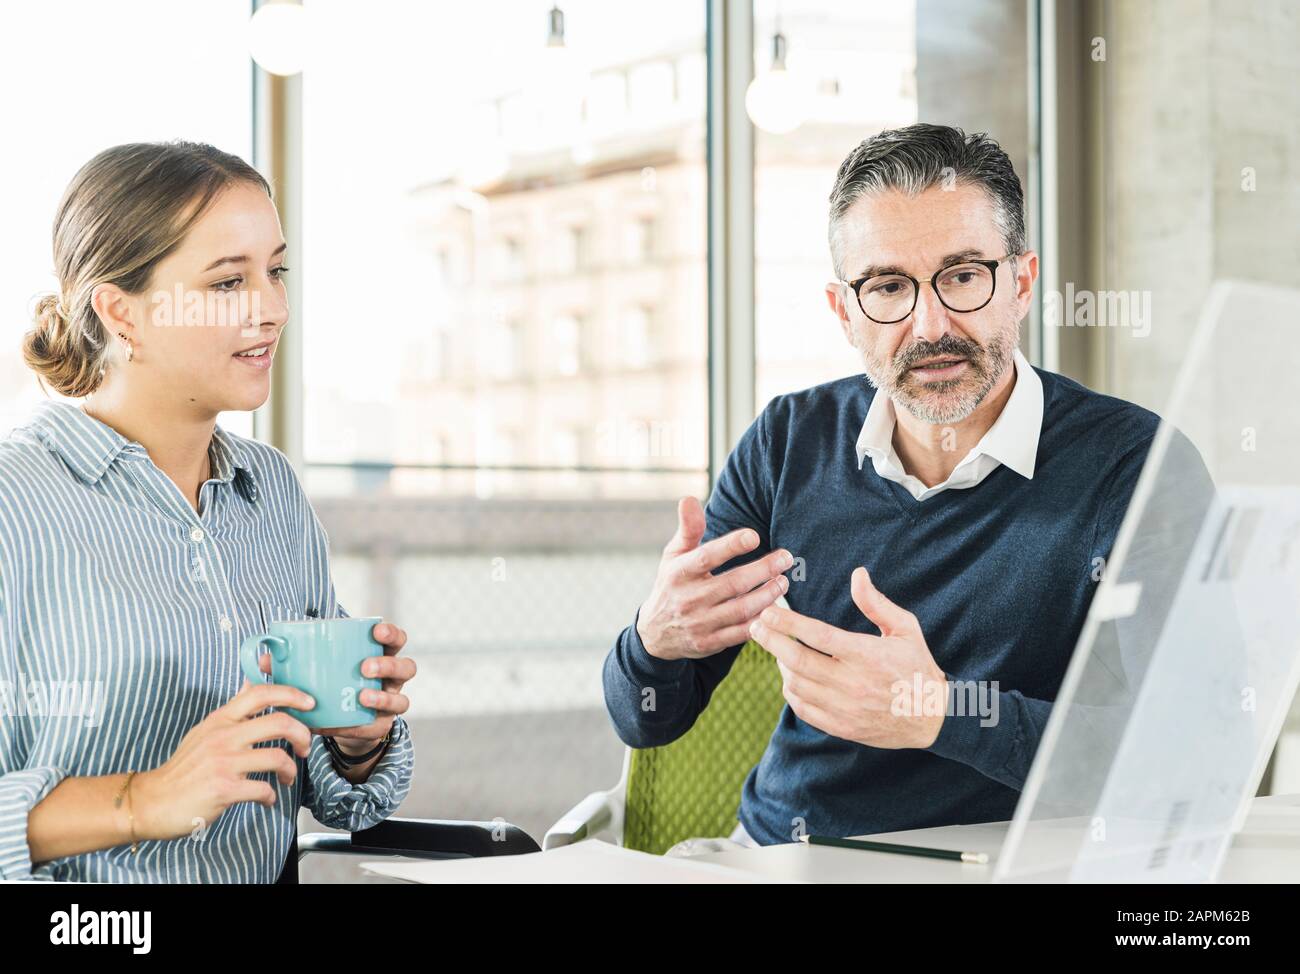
<point x="206" y="774"/>
<point x="388" y="702"/>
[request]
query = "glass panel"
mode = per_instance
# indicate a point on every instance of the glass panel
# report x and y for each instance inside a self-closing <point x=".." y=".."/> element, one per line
<point x="1190" y="655"/>
<point x="210" y="100"/>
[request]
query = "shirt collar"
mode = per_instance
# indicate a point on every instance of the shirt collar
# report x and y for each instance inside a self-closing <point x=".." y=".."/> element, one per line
<point x="1011" y="440"/>
<point x="89" y="447"/>
<point x="230" y="462"/>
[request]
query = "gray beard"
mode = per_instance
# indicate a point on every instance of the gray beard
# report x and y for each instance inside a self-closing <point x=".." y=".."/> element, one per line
<point x="932" y="405"/>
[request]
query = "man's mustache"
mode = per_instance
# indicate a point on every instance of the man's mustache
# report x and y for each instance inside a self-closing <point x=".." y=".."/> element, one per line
<point x="946" y="346"/>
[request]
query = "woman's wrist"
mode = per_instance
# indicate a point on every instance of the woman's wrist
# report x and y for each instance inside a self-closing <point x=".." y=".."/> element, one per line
<point x="354" y="748"/>
<point x="143" y="806"/>
<point x="356" y="766"/>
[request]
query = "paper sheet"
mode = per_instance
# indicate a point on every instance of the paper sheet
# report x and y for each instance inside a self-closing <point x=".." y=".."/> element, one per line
<point x="591" y="861"/>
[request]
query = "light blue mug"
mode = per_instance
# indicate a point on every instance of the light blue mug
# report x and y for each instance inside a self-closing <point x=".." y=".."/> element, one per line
<point x="321" y="657"/>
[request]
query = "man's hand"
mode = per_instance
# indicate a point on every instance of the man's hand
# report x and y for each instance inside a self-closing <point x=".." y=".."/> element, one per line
<point x="692" y="613"/>
<point x="863" y="688"/>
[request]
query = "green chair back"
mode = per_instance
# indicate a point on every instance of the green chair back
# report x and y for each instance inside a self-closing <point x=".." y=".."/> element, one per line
<point x="691" y="787"/>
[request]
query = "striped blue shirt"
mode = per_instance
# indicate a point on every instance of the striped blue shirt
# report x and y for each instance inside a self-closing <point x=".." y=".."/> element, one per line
<point x="122" y="610"/>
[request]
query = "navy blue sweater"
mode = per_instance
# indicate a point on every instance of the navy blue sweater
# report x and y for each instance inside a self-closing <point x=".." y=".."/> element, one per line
<point x="999" y="575"/>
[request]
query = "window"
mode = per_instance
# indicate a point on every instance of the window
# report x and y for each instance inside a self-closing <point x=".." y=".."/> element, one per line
<point x="444" y="269"/>
<point x="512" y="259"/>
<point x="571" y="255"/>
<point x="507" y="447"/>
<point x="210" y="101"/>
<point x="651" y="88"/>
<point x="440" y="365"/>
<point x="503" y="543"/>
<point x="506" y="355"/>
<point x="636" y="339"/>
<point x="641" y="239"/>
<point x="566" y="337"/>
<point x="607" y="101"/>
<point x="565" y="448"/>
<point x="858" y="65"/>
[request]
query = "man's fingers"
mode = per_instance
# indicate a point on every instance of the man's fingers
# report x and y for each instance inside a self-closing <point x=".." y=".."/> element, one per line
<point x="807" y="664"/>
<point x="728" y="624"/>
<point x="811" y="714"/>
<point x="745" y="578"/>
<point x="809" y="691"/>
<point x="889" y="618"/>
<point x="745" y="608"/>
<point x="726" y="638"/>
<point x="719" y="551"/>
<point x="810" y="632"/>
<point x="734" y="618"/>
<point x="690" y="527"/>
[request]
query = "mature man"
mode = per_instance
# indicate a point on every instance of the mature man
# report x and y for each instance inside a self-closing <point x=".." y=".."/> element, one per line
<point x="966" y="549"/>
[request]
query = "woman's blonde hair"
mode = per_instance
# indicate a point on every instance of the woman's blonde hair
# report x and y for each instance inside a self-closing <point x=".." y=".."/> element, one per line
<point x="124" y="211"/>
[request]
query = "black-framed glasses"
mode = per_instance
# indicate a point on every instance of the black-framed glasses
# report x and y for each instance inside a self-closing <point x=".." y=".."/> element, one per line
<point x="889" y="298"/>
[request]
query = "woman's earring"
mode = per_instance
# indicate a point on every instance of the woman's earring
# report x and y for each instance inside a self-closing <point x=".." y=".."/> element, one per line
<point x="130" y="349"/>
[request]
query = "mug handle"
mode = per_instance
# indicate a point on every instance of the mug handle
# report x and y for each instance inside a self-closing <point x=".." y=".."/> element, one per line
<point x="248" y="654"/>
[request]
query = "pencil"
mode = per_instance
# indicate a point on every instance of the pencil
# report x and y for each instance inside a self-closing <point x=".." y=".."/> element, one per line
<point x="902" y="850"/>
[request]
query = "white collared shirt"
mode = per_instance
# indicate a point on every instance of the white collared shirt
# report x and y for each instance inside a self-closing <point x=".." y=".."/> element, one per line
<point x="1011" y="440"/>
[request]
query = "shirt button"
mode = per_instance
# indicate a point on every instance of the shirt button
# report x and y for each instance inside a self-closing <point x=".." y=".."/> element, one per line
<point x="196" y="534"/>
<point x="226" y="624"/>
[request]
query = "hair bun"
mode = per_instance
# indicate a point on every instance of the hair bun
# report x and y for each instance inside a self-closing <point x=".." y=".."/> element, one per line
<point x="51" y="348"/>
<point x="49" y="317"/>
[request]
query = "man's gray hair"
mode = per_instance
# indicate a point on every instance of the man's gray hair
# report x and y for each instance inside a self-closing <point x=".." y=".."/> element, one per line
<point x="916" y="157"/>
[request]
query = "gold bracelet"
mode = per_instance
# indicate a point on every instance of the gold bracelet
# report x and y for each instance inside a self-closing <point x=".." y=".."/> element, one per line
<point x="130" y="810"/>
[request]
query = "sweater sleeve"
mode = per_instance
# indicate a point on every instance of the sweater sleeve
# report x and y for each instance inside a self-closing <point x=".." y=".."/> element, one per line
<point x="651" y="701"/>
<point x="1000" y="745"/>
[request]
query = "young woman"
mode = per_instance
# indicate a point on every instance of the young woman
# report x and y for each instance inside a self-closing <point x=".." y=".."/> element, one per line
<point x="140" y="543"/>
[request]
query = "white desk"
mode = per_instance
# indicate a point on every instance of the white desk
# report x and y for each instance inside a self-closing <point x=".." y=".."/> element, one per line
<point x="1267" y="850"/>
